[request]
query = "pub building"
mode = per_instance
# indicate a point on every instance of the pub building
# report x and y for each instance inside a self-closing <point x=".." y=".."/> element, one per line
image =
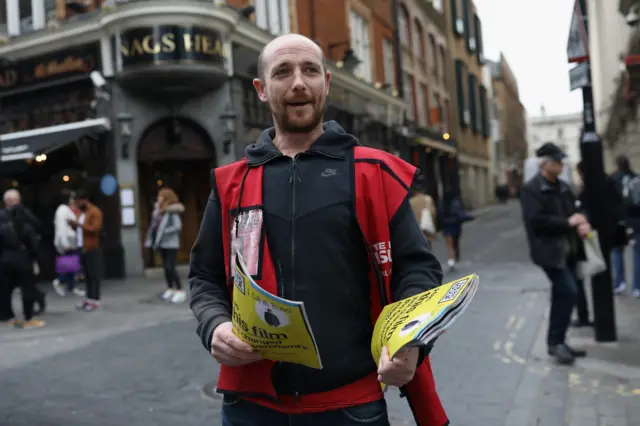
<point x="147" y="95"/>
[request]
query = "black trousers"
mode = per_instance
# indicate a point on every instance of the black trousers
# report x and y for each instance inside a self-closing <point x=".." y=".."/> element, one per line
<point x="92" y="266"/>
<point x="581" y="303"/>
<point x="13" y="278"/>
<point x="169" y="257"/>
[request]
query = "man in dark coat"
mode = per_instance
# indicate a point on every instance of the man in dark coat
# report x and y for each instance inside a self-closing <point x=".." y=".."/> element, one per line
<point x="554" y="227"/>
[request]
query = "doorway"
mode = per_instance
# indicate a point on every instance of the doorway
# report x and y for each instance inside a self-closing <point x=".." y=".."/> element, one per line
<point x="177" y="154"/>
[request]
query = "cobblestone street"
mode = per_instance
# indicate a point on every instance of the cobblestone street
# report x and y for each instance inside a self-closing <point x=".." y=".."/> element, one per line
<point x="140" y="362"/>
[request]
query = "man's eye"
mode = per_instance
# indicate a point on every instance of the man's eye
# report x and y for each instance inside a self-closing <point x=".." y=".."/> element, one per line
<point x="311" y="69"/>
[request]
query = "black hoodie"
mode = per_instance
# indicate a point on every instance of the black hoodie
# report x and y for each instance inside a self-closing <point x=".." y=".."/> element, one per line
<point x="319" y="257"/>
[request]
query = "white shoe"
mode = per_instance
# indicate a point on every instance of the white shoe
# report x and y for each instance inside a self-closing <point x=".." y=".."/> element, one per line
<point x="620" y="289"/>
<point x="451" y="263"/>
<point x="636" y="293"/>
<point x="57" y="286"/>
<point x="179" y="296"/>
<point x="167" y="295"/>
<point x="79" y="293"/>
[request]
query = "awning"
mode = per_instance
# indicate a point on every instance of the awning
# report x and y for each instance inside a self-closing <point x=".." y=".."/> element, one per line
<point x="436" y="145"/>
<point x="29" y="143"/>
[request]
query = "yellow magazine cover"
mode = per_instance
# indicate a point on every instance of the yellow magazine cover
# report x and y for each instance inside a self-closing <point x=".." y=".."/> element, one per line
<point x="402" y="323"/>
<point x="275" y="327"/>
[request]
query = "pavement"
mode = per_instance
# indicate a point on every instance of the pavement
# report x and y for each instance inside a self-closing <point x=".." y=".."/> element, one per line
<point x="139" y="361"/>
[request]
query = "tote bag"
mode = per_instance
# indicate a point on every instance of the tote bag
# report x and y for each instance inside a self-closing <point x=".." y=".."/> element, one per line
<point x="595" y="260"/>
<point x="426" y="222"/>
<point x="67" y="264"/>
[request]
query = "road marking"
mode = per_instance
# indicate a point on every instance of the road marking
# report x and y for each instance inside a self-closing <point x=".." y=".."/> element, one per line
<point x="508" y="349"/>
<point x="581" y="383"/>
<point x="510" y="321"/>
<point x="496" y="345"/>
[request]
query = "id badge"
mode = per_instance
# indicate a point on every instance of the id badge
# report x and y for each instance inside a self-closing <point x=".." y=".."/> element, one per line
<point x="246" y="240"/>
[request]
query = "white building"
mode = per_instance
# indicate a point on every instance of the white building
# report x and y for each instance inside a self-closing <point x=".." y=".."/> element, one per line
<point x="563" y="130"/>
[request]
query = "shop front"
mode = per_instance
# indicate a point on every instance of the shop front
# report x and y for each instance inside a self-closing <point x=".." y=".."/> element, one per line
<point x="53" y="138"/>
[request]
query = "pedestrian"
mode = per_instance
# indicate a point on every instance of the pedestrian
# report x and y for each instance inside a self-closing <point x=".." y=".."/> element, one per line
<point x="453" y="217"/>
<point x="89" y="229"/>
<point x="18" y="262"/>
<point x="13" y="204"/>
<point x="554" y="228"/>
<point x="65" y="242"/>
<point x="325" y="214"/>
<point x="425" y="211"/>
<point x="163" y="235"/>
<point x="627" y="183"/>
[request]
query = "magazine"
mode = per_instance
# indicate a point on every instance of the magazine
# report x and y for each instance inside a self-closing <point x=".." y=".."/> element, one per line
<point x="418" y="320"/>
<point x="280" y="330"/>
<point x="275" y="327"/>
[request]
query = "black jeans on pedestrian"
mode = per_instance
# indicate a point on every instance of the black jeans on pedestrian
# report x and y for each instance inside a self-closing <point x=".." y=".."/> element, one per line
<point x="24" y="279"/>
<point x="92" y="266"/>
<point x="240" y="412"/>
<point x="581" y="303"/>
<point x="169" y="259"/>
<point x="6" y="290"/>
<point x="564" y="292"/>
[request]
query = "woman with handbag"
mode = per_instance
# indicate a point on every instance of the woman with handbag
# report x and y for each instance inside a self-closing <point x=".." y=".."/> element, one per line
<point x="66" y="242"/>
<point x="163" y="235"/>
<point x="425" y="211"/>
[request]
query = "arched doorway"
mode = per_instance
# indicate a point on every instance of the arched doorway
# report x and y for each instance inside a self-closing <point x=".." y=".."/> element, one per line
<point x="176" y="153"/>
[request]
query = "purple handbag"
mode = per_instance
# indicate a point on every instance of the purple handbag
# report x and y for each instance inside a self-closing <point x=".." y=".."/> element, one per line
<point x="67" y="264"/>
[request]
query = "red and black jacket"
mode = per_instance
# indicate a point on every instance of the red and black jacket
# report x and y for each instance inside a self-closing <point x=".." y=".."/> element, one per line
<point x="332" y="217"/>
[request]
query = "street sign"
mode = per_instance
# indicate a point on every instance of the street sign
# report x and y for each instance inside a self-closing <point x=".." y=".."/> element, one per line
<point x="579" y="76"/>
<point x="578" y="43"/>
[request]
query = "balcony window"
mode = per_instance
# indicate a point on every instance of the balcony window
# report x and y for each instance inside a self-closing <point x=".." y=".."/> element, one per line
<point x="273" y="16"/>
<point x="403" y="24"/>
<point x="360" y="45"/>
<point x="387" y="53"/>
<point x="420" y="104"/>
<point x="418" y="40"/>
<point x="409" y="98"/>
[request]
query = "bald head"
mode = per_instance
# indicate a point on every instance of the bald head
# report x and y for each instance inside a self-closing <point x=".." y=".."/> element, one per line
<point x="11" y="197"/>
<point x="283" y="42"/>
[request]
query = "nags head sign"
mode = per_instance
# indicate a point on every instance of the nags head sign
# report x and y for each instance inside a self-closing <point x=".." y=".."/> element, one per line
<point x="170" y="44"/>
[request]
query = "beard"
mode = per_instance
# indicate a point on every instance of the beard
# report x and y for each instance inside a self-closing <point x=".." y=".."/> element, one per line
<point x="305" y="124"/>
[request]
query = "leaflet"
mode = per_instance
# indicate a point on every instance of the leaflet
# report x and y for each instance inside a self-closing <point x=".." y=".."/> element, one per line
<point x="277" y="328"/>
<point x="418" y="320"/>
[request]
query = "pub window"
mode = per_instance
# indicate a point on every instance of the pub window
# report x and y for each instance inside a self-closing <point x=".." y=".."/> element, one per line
<point x="273" y="16"/>
<point x="26" y="20"/>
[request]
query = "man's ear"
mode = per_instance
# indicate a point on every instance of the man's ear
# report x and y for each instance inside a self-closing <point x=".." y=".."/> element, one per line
<point x="259" y="86"/>
<point x="327" y="82"/>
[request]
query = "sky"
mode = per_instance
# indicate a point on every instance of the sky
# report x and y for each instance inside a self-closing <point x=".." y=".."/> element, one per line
<point x="532" y="35"/>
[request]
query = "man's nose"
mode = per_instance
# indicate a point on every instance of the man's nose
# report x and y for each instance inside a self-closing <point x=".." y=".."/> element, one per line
<point x="298" y="81"/>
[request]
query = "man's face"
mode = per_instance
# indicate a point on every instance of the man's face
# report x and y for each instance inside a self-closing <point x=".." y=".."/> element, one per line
<point x="554" y="167"/>
<point x="295" y="85"/>
<point x="81" y="204"/>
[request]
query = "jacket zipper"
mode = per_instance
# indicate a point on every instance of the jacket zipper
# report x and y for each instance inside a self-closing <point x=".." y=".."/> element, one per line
<point x="293" y="180"/>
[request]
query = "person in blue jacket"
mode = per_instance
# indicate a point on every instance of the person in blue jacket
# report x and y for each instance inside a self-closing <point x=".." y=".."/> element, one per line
<point x="453" y="216"/>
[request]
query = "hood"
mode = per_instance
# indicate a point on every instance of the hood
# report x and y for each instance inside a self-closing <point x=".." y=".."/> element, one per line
<point x="335" y="142"/>
<point x="175" y="208"/>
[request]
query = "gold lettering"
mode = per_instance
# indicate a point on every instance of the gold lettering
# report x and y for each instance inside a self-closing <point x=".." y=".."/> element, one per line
<point x="188" y="42"/>
<point x="150" y="46"/>
<point x="136" y="48"/>
<point x="69" y="64"/>
<point x="168" y="43"/>
<point x="8" y="78"/>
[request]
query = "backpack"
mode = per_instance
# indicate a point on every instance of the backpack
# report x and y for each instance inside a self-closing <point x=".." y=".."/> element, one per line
<point x="631" y="190"/>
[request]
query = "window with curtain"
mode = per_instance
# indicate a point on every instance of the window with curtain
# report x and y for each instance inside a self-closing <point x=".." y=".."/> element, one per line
<point x="360" y="45"/>
<point x="387" y="53"/>
<point x="409" y="98"/>
<point x="418" y="40"/>
<point x="273" y="16"/>
<point x="420" y="110"/>
<point x="403" y="25"/>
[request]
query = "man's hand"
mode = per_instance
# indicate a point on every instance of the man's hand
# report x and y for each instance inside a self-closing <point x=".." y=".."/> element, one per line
<point x="584" y="229"/>
<point x="577" y="219"/>
<point x="229" y="350"/>
<point x="72" y="223"/>
<point x="399" y="370"/>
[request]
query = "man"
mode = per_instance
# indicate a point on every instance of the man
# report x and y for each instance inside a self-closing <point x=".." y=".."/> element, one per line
<point x="331" y="212"/>
<point x="629" y="217"/>
<point x="88" y="229"/>
<point x="12" y="198"/>
<point x="554" y="230"/>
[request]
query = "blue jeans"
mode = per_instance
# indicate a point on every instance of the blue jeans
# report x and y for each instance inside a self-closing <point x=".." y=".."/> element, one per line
<point x="240" y="412"/>
<point x="564" y="294"/>
<point x="617" y="263"/>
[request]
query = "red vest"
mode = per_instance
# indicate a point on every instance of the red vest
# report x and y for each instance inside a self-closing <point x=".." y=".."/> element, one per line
<point x="382" y="182"/>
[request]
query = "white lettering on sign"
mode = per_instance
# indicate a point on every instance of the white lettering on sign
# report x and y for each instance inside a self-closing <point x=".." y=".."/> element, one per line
<point x="382" y="252"/>
<point x="14" y="149"/>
